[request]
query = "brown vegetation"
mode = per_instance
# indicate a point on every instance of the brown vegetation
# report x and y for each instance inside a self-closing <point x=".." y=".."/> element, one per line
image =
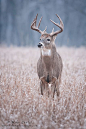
<point x="22" y="106"/>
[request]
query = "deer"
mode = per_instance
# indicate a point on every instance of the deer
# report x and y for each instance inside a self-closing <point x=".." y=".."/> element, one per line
<point x="49" y="65"/>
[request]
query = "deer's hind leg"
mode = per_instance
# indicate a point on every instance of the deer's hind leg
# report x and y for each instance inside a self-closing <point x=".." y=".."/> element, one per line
<point x="57" y="88"/>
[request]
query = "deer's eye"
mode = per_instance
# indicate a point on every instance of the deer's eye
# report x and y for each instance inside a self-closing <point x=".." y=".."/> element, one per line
<point x="48" y="39"/>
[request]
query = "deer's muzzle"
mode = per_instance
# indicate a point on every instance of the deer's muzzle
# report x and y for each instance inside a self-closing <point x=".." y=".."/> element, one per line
<point x="40" y="44"/>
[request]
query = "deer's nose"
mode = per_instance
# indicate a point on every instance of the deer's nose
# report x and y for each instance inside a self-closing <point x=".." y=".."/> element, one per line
<point x="40" y="44"/>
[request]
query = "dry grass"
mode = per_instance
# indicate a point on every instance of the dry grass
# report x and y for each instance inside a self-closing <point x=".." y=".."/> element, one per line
<point x="22" y="106"/>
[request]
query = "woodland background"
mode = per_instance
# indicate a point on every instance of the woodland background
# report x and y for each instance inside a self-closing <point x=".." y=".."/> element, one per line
<point x="16" y="17"/>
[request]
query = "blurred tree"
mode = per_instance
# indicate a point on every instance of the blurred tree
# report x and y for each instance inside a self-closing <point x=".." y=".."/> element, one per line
<point x="16" y="17"/>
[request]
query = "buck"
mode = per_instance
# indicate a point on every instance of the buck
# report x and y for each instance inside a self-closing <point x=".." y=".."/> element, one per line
<point x="49" y="66"/>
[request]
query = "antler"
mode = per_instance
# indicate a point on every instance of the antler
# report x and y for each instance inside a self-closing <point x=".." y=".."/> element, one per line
<point x="61" y="26"/>
<point x="33" y="25"/>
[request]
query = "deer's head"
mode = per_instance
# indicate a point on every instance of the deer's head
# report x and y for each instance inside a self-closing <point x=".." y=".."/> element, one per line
<point x="47" y="40"/>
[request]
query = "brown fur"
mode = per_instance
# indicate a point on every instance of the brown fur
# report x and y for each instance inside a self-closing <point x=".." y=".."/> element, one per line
<point x="51" y="67"/>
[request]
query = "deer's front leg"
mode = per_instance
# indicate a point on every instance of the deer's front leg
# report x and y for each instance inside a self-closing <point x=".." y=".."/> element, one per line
<point x="52" y="87"/>
<point x="55" y="86"/>
<point x="43" y="85"/>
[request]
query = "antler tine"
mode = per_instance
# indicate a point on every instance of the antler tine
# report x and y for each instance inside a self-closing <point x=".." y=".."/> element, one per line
<point x="61" y="23"/>
<point x="40" y="22"/>
<point x="61" y="26"/>
<point x="33" y="25"/>
<point x="35" y="19"/>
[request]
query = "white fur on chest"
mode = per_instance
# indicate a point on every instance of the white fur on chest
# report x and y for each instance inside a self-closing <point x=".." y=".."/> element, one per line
<point x="46" y="52"/>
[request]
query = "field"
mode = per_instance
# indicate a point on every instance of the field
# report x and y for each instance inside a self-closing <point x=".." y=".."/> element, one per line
<point x="22" y="106"/>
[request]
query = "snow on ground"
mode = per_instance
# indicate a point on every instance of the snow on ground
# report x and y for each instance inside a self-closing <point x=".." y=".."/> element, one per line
<point x="22" y="106"/>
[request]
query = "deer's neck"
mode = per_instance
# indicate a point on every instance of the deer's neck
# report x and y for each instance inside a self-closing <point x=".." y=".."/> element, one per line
<point x="48" y="60"/>
<point x="46" y="52"/>
<point x="48" y="57"/>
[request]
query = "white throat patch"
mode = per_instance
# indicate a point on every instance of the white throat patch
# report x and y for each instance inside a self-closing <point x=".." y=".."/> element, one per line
<point x="46" y="52"/>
